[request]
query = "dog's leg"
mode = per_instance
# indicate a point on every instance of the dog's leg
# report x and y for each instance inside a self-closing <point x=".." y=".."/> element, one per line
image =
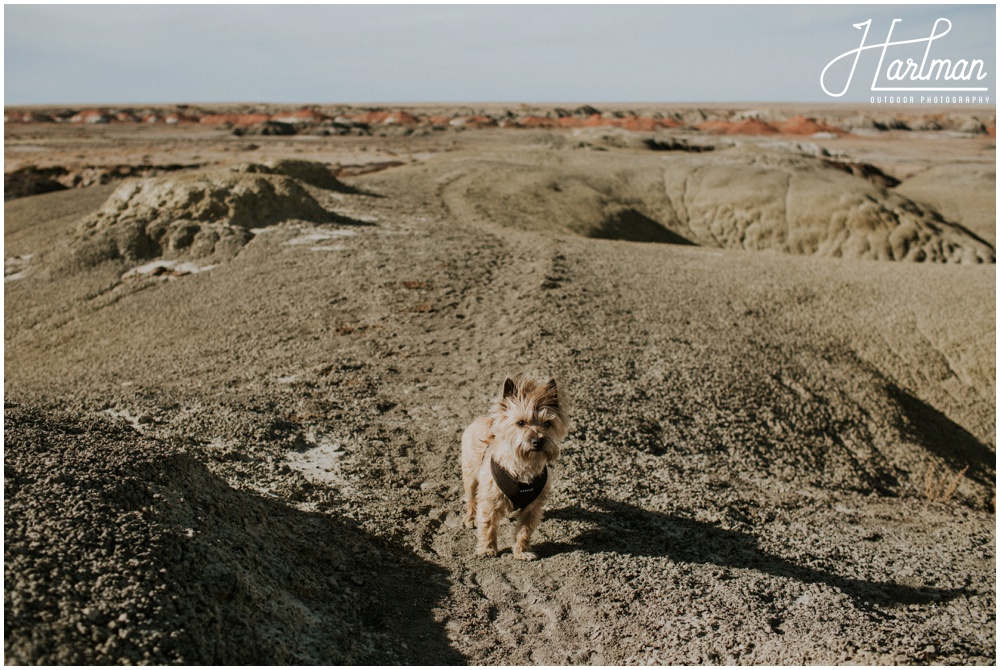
<point x="527" y="521"/>
<point x="487" y="521"/>
<point x="471" y="486"/>
<point x="475" y="441"/>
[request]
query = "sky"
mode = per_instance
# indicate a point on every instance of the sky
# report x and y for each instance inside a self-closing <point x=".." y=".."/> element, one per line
<point x="134" y="54"/>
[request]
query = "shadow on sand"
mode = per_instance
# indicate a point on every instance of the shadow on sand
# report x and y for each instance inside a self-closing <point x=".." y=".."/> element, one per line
<point x="944" y="438"/>
<point x="223" y="576"/>
<point x="374" y="597"/>
<point x="624" y="528"/>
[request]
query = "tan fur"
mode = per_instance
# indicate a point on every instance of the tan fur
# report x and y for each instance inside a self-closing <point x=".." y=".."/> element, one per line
<point x="535" y="404"/>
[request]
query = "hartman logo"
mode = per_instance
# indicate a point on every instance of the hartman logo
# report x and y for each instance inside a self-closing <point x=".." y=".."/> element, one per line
<point x="908" y="66"/>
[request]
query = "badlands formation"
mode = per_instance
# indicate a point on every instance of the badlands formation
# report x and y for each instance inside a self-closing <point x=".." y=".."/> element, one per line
<point x="241" y="345"/>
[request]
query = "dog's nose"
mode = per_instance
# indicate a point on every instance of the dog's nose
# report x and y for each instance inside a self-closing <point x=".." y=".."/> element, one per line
<point x="537" y="442"/>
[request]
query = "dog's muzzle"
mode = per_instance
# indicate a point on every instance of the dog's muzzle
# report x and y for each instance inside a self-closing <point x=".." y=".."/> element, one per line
<point x="537" y="443"/>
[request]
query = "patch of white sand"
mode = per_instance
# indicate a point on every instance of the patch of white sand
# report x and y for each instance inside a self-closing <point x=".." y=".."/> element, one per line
<point x="310" y="236"/>
<point x="132" y="419"/>
<point x="14" y="267"/>
<point x="167" y="269"/>
<point x="320" y="464"/>
<point x="318" y="235"/>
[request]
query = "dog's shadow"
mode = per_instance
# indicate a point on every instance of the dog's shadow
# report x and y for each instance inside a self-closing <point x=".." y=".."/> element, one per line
<point x="619" y="527"/>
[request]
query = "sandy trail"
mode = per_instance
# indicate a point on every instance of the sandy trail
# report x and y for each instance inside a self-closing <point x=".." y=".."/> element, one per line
<point x="550" y="603"/>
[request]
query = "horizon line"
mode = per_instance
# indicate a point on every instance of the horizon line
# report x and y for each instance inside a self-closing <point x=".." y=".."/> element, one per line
<point x="503" y="103"/>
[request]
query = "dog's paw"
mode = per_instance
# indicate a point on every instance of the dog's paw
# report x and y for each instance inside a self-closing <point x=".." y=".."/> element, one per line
<point x="486" y="552"/>
<point x="525" y="555"/>
<point x="470" y="521"/>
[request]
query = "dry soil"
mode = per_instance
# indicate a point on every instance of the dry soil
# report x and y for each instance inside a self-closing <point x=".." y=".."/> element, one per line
<point x="249" y="453"/>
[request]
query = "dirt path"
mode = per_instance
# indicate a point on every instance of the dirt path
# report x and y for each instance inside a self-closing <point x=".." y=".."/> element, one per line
<point x="528" y="304"/>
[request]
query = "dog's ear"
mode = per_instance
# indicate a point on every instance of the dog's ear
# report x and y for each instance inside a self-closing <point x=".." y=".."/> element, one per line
<point x="551" y="394"/>
<point x="508" y="388"/>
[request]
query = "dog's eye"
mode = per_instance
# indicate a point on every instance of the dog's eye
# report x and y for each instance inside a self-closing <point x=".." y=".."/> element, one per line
<point x="520" y="423"/>
<point x="548" y="424"/>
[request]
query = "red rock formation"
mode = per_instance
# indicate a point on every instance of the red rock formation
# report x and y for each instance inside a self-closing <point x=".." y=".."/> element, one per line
<point x="91" y="116"/>
<point x="591" y="121"/>
<point x="536" y="122"/>
<point x="744" y="127"/>
<point x="715" y="127"/>
<point x="569" y="122"/>
<point x="472" y="121"/>
<point x="631" y="122"/>
<point x="177" y="117"/>
<point x="639" y="123"/>
<point x="300" y="116"/>
<point x="802" y="125"/>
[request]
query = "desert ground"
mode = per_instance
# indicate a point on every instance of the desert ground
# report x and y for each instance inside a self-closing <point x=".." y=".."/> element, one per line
<point x="241" y="345"/>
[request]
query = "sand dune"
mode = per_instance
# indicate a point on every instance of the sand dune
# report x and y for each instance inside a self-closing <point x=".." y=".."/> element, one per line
<point x="259" y="463"/>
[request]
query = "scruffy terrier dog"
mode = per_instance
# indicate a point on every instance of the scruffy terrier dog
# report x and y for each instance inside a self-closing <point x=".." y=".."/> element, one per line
<point x="505" y="458"/>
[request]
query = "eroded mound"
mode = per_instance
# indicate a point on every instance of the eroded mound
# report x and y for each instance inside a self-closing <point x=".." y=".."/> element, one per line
<point x="208" y="214"/>
<point x="749" y="198"/>
<point x="122" y="550"/>
<point x="744" y="197"/>
<point x="307" y="172"/>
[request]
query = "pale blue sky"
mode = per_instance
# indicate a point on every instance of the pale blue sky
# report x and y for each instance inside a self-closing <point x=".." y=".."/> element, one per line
<point x="89" y="54"/>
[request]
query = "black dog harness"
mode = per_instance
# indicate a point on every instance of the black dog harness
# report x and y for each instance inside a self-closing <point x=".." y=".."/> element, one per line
<point x="520" y="494"/>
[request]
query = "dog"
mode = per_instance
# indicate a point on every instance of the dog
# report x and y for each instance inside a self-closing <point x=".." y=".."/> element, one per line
<point x="505" y="462"/>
